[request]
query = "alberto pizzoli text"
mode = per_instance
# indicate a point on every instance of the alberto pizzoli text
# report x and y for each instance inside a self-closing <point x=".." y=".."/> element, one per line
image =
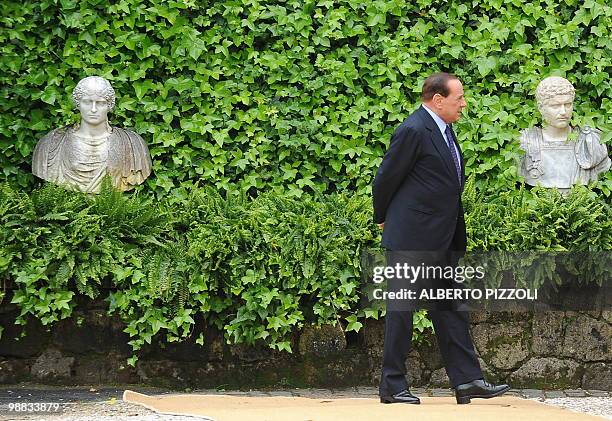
<point x="458" y="294"/>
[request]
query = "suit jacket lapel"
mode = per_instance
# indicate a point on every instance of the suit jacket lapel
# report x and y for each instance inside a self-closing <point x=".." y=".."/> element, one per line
<point x="439" y="142"/>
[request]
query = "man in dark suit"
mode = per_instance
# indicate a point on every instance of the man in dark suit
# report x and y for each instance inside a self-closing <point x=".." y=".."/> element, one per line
<point x="417" y="203"/>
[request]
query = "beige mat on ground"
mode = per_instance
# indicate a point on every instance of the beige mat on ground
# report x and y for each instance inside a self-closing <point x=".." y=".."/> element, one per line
<point x="239" y="408"/>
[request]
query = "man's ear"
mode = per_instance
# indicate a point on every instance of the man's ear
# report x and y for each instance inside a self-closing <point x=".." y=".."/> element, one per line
<point x="437" y="100"/>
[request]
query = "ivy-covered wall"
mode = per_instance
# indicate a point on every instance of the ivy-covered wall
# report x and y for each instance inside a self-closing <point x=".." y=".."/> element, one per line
<point x="295" y="95"/>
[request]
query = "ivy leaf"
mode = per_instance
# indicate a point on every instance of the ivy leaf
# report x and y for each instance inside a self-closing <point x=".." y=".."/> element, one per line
<point x="49" y="95"/>
<point x="486" y="65"/>
<point x="353" y="324"/>
<point x="284" y="346"/>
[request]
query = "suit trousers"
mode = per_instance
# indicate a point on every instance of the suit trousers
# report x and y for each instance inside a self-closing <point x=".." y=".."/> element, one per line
<point x="454" y="340"/>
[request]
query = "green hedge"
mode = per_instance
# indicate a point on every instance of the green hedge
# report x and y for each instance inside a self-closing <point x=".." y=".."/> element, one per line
<point x="537" y="219"/>
<point x="257" y="269"/>
<point x="294" y="95"/>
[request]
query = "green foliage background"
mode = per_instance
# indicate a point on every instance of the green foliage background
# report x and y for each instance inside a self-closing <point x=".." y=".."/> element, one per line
<point x="294" y="95"/>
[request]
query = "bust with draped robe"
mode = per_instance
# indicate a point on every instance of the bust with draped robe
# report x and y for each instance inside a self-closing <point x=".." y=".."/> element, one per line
<point x="80" y="156"/>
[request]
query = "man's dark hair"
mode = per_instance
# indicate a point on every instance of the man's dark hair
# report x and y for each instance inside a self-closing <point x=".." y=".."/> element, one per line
<point x="436" y="84"/>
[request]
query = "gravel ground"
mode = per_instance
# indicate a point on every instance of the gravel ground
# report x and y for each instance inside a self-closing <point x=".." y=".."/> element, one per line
<point x="102" y="411"/>
<point x="588" y="405"/>
<point x="106" y="404"/>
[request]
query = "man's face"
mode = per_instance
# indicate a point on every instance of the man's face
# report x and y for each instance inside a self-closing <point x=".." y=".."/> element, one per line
<point x="449" y="108"/>
<point x="93" y="108"/>
<point x="557" y="111"/>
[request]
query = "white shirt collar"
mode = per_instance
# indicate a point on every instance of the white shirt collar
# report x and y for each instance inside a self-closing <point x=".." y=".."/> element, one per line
<point x="441" y="124"/>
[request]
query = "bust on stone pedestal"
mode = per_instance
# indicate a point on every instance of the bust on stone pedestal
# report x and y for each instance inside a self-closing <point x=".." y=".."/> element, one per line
<point x="80" y="156"/>
<point x="558" y="155"/>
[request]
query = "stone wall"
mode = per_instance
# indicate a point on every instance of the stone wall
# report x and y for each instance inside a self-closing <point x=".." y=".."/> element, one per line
<point x="542" y="350"/>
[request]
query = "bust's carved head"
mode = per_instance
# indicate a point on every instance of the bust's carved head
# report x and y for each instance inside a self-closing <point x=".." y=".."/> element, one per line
<point x="555" y="98"/>
<point x="94" y="97"/>
<point x="94" y="85"/>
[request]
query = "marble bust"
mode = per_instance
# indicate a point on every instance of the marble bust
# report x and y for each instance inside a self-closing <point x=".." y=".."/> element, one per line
<point x="80" y="156"/>
<point x="558" y="155"/>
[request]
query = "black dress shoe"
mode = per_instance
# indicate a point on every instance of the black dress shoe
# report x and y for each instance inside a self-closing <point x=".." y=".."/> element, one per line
<point x="402" y="397"/>
<point x="478" y="389"/>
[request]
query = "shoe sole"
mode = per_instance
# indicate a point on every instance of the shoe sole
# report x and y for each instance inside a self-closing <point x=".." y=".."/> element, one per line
<point x="384" y="400"/>
<point x="466" y="399"/>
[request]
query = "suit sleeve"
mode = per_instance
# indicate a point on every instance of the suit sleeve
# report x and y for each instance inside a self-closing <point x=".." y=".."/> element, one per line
<point x="396" y="165"/>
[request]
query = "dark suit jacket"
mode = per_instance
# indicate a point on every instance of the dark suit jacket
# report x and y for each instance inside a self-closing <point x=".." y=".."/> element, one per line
<point x="416" y="191"/>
